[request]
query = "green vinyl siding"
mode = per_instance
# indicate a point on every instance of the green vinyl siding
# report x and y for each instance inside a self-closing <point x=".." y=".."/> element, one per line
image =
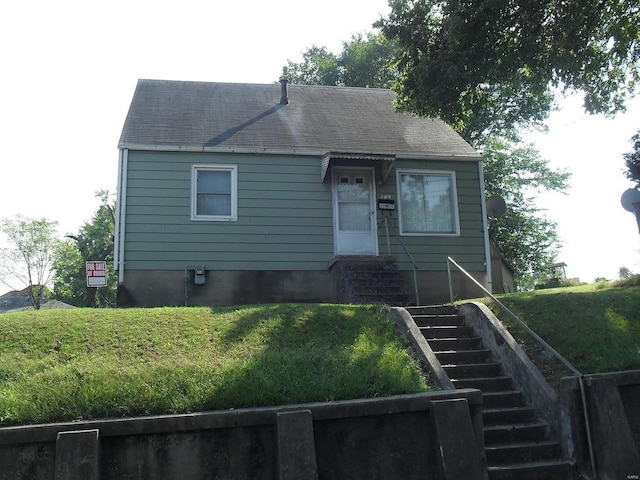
<point x="285" y="216"/>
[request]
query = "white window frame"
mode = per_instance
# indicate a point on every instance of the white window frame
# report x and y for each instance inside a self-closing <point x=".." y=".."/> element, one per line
<point x="233" y="216"/>
<point x="454" y="192"/>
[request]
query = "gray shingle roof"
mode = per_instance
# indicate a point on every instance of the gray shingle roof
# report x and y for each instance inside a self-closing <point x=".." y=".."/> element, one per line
<point x="199" y="115"/>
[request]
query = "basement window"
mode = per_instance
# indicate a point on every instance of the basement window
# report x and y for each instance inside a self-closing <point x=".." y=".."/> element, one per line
<point x="214" y="192"/>
<point x="428" y="203"/>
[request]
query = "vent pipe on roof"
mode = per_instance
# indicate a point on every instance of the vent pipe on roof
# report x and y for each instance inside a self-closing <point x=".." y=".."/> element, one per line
<point x="284" y="99"/>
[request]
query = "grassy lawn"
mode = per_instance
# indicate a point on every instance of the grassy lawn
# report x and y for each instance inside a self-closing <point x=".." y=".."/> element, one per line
<point x="72" y="364"/>
<point x="76" y="364"/>
<point x="596" y="327"/>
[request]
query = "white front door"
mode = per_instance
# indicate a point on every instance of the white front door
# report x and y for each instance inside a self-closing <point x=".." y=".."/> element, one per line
<point x="354" y="212"/>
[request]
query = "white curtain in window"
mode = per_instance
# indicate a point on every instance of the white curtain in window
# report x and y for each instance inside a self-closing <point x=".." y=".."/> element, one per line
<point x="427" y="203"/>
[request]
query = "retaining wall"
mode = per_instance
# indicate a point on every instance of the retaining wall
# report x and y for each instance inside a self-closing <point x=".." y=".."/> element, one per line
<point x="613" y="410"/>
<point x="434" y="435"/>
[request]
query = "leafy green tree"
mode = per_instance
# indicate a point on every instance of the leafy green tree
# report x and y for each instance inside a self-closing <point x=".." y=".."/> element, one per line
<point x="28" y="261"/>
<point x="94" y="241"/>
<point x="318" y="67"/>
<point x="624" y="273"/>
<point x="366" y="60"/>
<point x="492" y="65"/>
<point x="517" y="173"/>
<point x="632" y="160"/>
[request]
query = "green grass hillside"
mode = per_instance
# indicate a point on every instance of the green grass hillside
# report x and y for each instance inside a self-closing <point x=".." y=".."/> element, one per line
<point x="76" y="364"/>
<point x="595" y="327"/>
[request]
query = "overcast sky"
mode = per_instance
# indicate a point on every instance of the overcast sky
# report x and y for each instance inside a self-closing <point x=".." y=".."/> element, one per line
<point x="70" y="69"/>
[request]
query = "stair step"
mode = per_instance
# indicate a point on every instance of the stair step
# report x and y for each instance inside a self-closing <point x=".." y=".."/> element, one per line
<point x="369" y="280"/>
<point x="447" y="332"/>
<point x="454" y="357"/>
<point x="393" y="300"/>
<point x="433" y="310"/>
<point x="471" y="370"/>
<point x="517" y="432"/>
<point x="486" y="384"/>
<point x="522" y="452"/>
<point x="516" y="444"/>
<point x="497" y="416"/>
<point x="510" y="398"/>
<point x="438" y="320"/>
<point x="471" y="343"/>
<point x="549" y="469"/>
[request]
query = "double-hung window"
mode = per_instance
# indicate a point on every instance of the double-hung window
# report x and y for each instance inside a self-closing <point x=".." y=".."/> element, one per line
<point x="427" y="202"/>
<point x="214" y="193"/>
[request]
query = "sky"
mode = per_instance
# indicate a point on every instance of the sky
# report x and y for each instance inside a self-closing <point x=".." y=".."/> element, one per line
<point x="598" y="236"/>
<point x="70" y="69"/>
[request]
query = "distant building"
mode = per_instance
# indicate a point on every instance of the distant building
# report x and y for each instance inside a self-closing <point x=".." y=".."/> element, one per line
<point x="557" y="270"/>
<point x="14" y="300"/>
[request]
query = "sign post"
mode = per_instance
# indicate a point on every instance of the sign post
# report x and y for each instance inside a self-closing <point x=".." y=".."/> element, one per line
<point x="96" y="273"/>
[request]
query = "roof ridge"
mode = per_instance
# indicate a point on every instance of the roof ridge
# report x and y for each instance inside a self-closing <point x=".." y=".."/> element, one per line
<point x="275" y="83"/>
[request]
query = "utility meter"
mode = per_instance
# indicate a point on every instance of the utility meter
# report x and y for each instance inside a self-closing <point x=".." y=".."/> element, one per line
<point x="198" y="276"/>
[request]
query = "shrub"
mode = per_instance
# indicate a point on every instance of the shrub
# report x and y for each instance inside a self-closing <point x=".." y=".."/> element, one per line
<point x="631" y="281"/>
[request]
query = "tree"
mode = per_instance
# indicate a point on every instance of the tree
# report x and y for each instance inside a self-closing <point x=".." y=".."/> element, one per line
<point x="632" y="160"/>
<point x="318" y="67"/>
<point x="491" y="66"/>
<point x="624" y="273"/>
<point x="366" y="61"/>
<point x="29" y="258"/>
<point x="94" y="241"/>
<point x="517" y="173"/>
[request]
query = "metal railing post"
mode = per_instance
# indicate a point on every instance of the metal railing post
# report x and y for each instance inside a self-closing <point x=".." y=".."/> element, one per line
<point x="386" y="228"/>
<point x="450" y="285"/>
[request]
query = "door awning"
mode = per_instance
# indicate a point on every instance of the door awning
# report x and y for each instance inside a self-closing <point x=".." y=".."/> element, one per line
<point x="382" y="164"/>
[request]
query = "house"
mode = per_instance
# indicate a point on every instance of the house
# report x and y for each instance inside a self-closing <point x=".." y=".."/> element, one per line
<point x="20" y="300"/>
<point x="247" y="193"/>
<point x="15" y="300"/>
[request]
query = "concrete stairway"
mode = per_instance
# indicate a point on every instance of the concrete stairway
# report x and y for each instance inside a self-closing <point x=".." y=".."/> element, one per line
<point x="516" y="440"/>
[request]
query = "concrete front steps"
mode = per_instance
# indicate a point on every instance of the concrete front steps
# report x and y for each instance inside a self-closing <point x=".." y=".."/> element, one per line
<point x="367" y="279"/>
<point x="517" y="443"/>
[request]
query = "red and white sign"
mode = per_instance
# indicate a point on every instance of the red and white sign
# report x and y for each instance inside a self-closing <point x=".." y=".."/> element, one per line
<point x="96" y="274"/>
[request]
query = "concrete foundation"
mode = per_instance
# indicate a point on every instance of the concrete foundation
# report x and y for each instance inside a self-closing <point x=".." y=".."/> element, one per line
<point x="152" y="288"/>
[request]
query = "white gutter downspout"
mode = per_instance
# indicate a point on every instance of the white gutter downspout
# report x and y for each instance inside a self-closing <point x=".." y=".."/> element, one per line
<point x="485" y="227"/>
<point x="118" y="247"/>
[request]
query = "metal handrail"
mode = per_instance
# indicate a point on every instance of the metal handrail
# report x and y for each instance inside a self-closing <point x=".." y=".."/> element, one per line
<point x="539" y="339"/>
<point x="414" y="265"/>
<point x="386" y="229"/>
<point x="546" y="346"/>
